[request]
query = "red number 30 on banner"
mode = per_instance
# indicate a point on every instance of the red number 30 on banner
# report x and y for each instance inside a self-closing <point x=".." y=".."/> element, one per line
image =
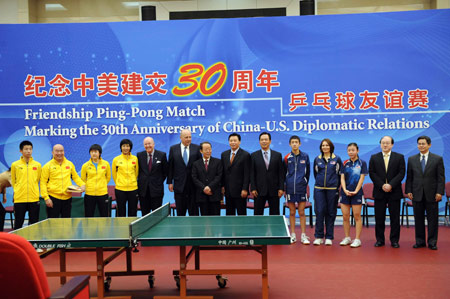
<point x="197" y="78"/>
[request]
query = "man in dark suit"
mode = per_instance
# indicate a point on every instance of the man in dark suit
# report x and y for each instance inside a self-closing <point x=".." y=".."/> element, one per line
<point x="153" y="169"/>
<point x="207" y="178"/>
<point x="425" y="185"/>
<point x="387" y="170"/>
<point x="179" y="178"/>
<point x="236" y="176"/>
<point x="267" y="176"/>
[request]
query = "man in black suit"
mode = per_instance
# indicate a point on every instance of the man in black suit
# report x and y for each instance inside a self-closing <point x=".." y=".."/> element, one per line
<point x="236" y="176"/>
<point x="267" y="176"/>
<point x="387" y="170"/>
<point x="207" y="177"/>
<point x="179" y="178"/>
<point x="425" y="185"/>
<point x="153" y="169"/>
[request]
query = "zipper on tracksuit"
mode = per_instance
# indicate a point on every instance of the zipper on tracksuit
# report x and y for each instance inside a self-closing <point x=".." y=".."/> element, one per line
<point x="325" y="177"/>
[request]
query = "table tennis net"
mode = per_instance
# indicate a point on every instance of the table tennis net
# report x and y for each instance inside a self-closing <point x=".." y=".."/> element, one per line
<point x="143" y="224"/>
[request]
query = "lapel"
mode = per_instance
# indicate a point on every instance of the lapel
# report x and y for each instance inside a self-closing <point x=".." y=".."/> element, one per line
<point x="429" y="161"/>
<point x="227" y="159"/>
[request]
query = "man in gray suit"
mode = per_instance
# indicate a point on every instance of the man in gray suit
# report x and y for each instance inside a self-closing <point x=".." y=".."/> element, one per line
<point x="425" y="184"/>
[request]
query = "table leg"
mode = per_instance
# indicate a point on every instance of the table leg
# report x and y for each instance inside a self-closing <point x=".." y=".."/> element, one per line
<point x="197" y="258"/>
<point x="62" y="265"/>
<point x="265" y="275"/>
<point x="100" y="273"/>
<point x="182" y="274"/>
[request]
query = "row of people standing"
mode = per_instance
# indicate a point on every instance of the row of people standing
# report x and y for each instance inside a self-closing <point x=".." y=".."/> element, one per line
<point x="198" y="180"/>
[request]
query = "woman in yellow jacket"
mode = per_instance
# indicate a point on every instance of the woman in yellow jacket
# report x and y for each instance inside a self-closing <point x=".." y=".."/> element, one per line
<point x="125" y="170"/>
<point x="96" y="173"/>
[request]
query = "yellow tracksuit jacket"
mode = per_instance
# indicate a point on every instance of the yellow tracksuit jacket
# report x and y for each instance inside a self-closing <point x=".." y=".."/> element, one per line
<point x="25" y="180"/>
<point x="55" y="179"/>
<point x="96" y="178"/>
<point x="125" y="170"/>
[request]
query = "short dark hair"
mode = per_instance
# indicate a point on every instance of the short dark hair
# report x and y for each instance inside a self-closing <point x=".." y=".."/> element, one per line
<point x="294" y="137"/>
<point x="353" y="144"/>
<point x="428" y="139"/>
<point x="126" y="141"/>
<point x="204" y="142"/>
<point x="392" y="139"/>
<point x="265" y="133"/>
<point x="235" y="134"/>
<point x="96" y="147"/>
<point x="329" y="143"/>
<point x="24" y="143"/>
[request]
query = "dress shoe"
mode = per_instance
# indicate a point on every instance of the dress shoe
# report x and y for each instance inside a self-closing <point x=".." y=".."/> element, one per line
<point x="415" y="246"/>
<point x="395" y="245"/>
<point x="432" y="247"/>
<point x="378" y="244"/>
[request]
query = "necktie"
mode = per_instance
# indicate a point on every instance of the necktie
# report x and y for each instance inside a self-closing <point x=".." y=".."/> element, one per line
<point x="206" y="165"/>
<point x="266" y="160"/>
<point x="150" y="163"/>
<point x="185" y="156"/>
<point x="386" y="161"/>
<point x="232" y="158"/>
<point x="422" y="163"/>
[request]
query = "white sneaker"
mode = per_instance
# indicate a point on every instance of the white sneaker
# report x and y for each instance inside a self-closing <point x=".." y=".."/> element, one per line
<point x="328" y="242"/>
<point x="293" y="238"/>
<point x="317" y="242"/>
<point x="305" y="240"/>
<point x="356" y="243"/>
<point x="346" y="241"/>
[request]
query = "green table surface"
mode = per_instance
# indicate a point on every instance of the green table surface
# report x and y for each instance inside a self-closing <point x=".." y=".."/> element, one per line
<point x="171" y="231"/>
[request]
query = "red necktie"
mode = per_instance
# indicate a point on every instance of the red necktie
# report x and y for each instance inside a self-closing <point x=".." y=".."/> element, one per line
<point x="206" y="165"/>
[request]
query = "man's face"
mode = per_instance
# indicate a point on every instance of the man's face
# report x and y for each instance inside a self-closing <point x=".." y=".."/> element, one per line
<point x="295" y="145"/>
<point x="423" y="146"/>
<point x="58" y="153"/>
<point x="186" y="138"/>
<point x="264" y="142"/>
<point x="206" y="151"/>
<point x="149" y="145"/>
<point x="386" y="144"/>
<point x="27" y="151"/>
<point x="234" y="142"/>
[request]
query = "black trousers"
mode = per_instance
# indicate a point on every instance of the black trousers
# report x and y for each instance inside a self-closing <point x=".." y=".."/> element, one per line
<point x="274" y="205"/>
<point x="149" y="203"/>
<point x="185" y="201"/>
<point x="122" y="197"/>
<point x="380" y="218"/>
<point x="236" y="205"/>
<point x="2" y="216"/>
<point x="91" y="201"/>
<point x="210" y="208"/>
<point x="61" y="208"/>
<point x="19" y="213"/>
<point x="432" y="211"/>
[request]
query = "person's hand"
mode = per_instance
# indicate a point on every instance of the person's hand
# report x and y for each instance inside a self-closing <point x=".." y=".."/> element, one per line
<point x="438" y="197"/>
<point x="280" y="193"/>
<point x="244" y="193"/>
<point x="171" y="187"/>
<point x="255" y="193"/>
<point x="410" y="196"/>
<point x="49" y="203"/>
<point x="387" y="188"/>
<point x="207" y="190"/>
<point x="223" y="190"/>
<point x="83" y="188"/>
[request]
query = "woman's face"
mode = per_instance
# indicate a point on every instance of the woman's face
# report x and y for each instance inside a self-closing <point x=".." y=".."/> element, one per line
<point x="352" y="152"/>
<point x="325" y="147"/>
<point x="125" y="149"/>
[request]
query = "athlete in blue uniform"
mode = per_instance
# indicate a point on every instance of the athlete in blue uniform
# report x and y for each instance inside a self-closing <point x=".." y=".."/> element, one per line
<point x="326" y="172"/>
<point x="352" y="177"/>
<point x="297" y="177"/>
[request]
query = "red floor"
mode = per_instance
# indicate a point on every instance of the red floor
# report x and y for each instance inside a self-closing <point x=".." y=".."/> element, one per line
<point x="295" y="271"/>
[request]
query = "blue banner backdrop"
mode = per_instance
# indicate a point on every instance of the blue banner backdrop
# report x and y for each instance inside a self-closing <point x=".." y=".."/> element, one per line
<point x="350" y="78"/>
